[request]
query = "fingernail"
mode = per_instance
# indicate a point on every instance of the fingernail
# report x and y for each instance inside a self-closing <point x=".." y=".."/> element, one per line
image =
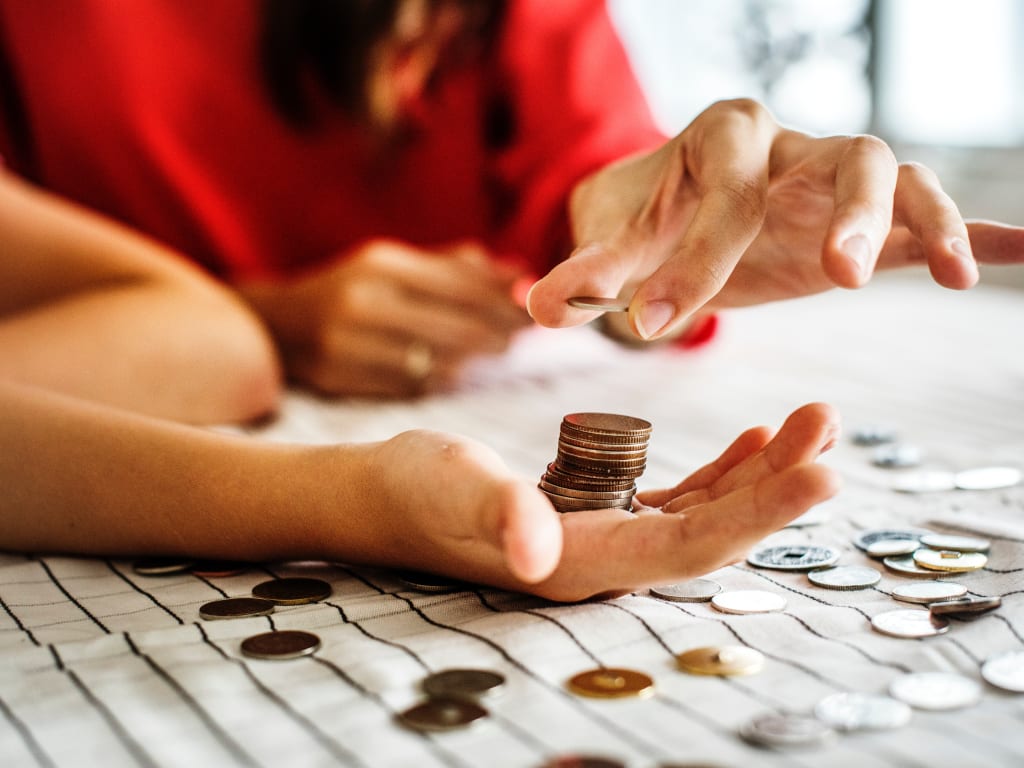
<point x="654" y="317"/>
<point x="858" y="250"/>
<point x="961" y="249"/>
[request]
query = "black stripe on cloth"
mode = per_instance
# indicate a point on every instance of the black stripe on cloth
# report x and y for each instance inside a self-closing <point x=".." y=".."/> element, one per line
<point x="210" y="584"/>
<point x="211" y="725"/>
<point x="29" y="740"/>
<point x="69" y="596"/>
<point x="1009" y="626"/>
<point x="143" y="592"/>
<point x="795" y="591"/>
<point x="338" y="751"/>
<point x="17" y="622"/>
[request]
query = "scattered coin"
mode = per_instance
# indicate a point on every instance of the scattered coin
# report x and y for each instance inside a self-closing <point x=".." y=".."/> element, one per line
<point x="956" y="543"/>
<point x="611" y="683"/>
<point x="292" y="591"/>
<point x="987" y="478"/>
<point x="949" y="560"/>
<point x="744" y="601"/>
<point x="906" y="565"/>
<point x="909" y="622"/>
<point x="219" y="569"/>
<point x="873" y="434"/>
<point x="862" y="711"/>
<point x="462" y="683"/>
<point x="161" y="566"/>
<point x="793" y="557"/>
<point x="280" y="645"/>
<point x="925" y="481"/>
<point x="695" y="591"/>
<point x="1005" y="670"/>
<point x="428" y="582"/>
<point x="896" y="456"/>
<point x="721" y="660"/>
<point x="960" y="606"/>
<point x="599" y="303"/>
<point x="845" y="577"/>
<point x="236" y="608"/>
<point x="866" y="538"/>
<point x="786" y="731"/>
<point x="892" y="548"/>
<point x="928" y="591"/>
<point x="442" y="715"/>
<point x="935" y="690"/>
<point x="583" y="761"/>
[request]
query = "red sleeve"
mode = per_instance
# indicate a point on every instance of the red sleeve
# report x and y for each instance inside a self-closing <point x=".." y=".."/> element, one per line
<point x="576" y="107"/>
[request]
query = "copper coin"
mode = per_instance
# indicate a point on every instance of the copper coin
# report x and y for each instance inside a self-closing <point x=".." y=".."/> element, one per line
<point x="960" y="606"/>
<point x="236" y="608"/>
<point x="281" y="645"/>
<point x="611" y="683"/>
<point x="292" y="591"/>
<point x="607" y="424"/>
<point x="428" y="582"/>
<point x="721" y="660"/>
<point x="462" y="683"/>
<point x="442" y="715"/>
<point x="583" y="761"/>
<point x="217" y="569"/>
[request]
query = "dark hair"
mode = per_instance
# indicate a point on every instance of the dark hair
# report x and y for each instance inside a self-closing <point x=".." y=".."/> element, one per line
<point x="326" y="44"/>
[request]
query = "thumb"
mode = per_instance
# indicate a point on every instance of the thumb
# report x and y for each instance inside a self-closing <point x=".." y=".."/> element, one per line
<point x="528" y="531"/>
<point x="594" y="269"/>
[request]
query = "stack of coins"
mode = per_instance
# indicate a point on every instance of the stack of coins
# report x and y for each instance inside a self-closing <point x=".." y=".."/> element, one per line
<point x="600" y="456"/>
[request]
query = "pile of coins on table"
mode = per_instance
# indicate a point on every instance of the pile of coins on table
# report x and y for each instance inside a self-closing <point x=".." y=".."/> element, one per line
<point x="600" y="456"/>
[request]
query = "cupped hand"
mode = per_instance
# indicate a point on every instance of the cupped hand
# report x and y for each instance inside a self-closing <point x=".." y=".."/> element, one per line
<point x="450" y="506"/>
<point x="736" y="210"/>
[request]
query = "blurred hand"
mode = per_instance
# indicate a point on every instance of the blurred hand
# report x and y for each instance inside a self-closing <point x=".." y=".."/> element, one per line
<point x="449" y="505"/>
<point x="737" y="210"/>
<point x="390" y="319"/>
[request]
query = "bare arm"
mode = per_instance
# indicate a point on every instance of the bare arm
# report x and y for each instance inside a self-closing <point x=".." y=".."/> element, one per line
<point x="90" y="308"/>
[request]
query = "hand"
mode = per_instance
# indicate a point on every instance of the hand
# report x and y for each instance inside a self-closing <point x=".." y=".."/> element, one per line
<point x="736" y="210"/>
<point x="449" y="505"/>
<point x="390" y="319"/>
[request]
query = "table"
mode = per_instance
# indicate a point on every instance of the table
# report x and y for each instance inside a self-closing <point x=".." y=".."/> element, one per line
<point x="107" y="667"/>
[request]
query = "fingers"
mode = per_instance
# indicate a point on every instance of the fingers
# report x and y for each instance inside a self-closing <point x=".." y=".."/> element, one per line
<point x="995" y="243"/>
<point x="528" y="532"/>
<point x="591" y="270"/>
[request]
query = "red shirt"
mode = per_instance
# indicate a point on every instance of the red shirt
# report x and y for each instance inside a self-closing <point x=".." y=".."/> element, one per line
<point x="153" y="112"/>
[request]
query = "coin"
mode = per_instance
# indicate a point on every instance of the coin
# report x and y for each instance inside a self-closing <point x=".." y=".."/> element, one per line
<point x="161" y="566"/>
<point x="987" y="478"/>
<point x="928" y="591"/>
<point x="599" y="303"/>
<point x="892" y="548"/>
<point x="897" y="456"/>
<point x="905" y="564"/>
<point x="442" y="715"/>
<point x="744" y="601"/>
<point x="608" y="424"/>
<point x="866" y="538"/>
<point x="611" y="683"/>
<point x="935" y="690"/>
<point x="793" y="557"/>
<point x="924" y="481"/>
<point x="428" y="582"/>
<point x="909" y="622"/>
<point x="292" y="591"/>
<point x="786" y="731"/>
<point x="583" y="761"/>
<point x="845" y="577"/>
<point x="1005" y="670"/>
<point x="956" y="543"/>
<point x="280" y="645"/>
<point x="948" y="560"/>
<point x="862" y="711"/>
<point x="721" y="660"/>
<point x="960" y="606"/>
<point x="873" y="434"/>
<point x="695" y="591"/>
<point x="236" y="608"/>
<point x="462" y="683"/>
<point x="217" y="569"/>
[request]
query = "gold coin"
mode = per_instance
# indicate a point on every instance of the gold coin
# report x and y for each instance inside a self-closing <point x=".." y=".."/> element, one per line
<point x="949" y="560"/>
<point x="611" y="683"/>
<point x="723" y="660"/>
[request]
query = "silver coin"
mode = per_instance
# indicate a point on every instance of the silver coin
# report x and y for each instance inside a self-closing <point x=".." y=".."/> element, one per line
<point x="599" y="303"/>
<point x="987" y="478"/>
<point x="873" y="434"/>
<point x="845" y="577"/>
<point x="862" y="711"/>
<point x="897" y="456"/>
<point x="865" y="539"/>
<point x="924" y="481"/>
<point x="1005" y="670"/>
<point x="462" y="683"/>
<point x="442" y="715"/>
<point x="794" y="557"/>
<point x="235" y="608"/>
<point x="956" y="543"/>
<point x="428" y="582"/>
<point x="935" y="690"/>
<point x="744" y="601"/>
<point x="961" y="606"/>
<point x="787" y="731"/>
<point x="950" y="560"/>
<point x="928" y="591"/>
<point x="695" y="591"/>
<point x="892" y="548"/>
<point x="162" y="566"/>
<point x="292" y="591"/>
<point x="280" y="645"/>
<point x="909" y="622"/>
<point x="906" y="564"/>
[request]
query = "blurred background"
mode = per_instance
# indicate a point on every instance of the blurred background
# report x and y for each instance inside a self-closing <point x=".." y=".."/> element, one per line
<point x="941" y="80"/>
